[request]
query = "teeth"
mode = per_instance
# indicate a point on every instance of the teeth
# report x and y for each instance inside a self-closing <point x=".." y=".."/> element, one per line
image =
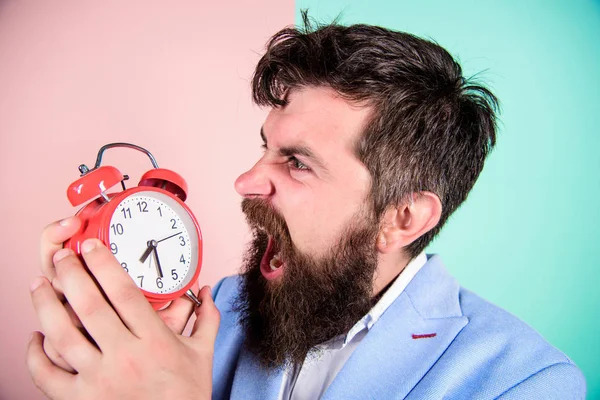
<point x="275" y="262"/>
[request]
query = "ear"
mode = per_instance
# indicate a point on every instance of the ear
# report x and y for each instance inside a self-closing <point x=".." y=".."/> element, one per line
<point x="403" y="224"/>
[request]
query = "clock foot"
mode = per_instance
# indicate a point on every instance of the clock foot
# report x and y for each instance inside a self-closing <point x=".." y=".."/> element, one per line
<point x="193" y="298"/>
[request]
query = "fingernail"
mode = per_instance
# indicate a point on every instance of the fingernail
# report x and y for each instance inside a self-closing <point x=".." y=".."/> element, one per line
<point x="88" y="245"/>
<point x="66" y="221"/>
<point x="36" y="283"/>
<point x="62" y="253"/>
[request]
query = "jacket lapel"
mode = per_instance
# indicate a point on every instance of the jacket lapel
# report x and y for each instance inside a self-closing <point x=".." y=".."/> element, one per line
<point x="406" y="341"/>
<point x="252" y="381"/>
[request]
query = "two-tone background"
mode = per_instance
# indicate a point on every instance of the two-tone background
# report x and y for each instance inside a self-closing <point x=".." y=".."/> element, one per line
<point x="174" y="77"/>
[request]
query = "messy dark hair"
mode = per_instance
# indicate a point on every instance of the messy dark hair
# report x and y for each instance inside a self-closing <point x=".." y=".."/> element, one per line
<point x="431" y="128"/>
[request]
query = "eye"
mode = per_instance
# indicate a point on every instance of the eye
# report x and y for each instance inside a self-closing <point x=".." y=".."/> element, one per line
<point x="296" y="164"/>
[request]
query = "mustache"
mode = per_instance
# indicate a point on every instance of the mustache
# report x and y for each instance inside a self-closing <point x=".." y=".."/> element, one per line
<point x="262" y="216"/>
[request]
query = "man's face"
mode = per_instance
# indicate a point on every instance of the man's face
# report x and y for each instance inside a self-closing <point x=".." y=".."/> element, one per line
<point x="317" y="196"/>
<point x="313" y="252"/>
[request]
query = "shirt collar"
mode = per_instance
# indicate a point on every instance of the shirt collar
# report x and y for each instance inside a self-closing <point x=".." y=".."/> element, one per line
<point x="388" y="297"/>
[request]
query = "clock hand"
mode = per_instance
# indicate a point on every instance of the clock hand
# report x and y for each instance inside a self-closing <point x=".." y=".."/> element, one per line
<point x="158" y="267"/>
<point x="168" y="237"/>
<point x="147" y="252"/>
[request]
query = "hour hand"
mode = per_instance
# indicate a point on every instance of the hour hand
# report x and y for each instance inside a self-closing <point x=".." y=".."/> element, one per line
<point x="149" y="250"/>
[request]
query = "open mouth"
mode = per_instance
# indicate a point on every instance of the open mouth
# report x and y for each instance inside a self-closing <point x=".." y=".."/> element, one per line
<point x="271" y="265"/>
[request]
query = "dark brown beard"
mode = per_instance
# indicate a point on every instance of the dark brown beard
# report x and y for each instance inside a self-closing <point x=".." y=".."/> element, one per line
<point x="315" y="300"/>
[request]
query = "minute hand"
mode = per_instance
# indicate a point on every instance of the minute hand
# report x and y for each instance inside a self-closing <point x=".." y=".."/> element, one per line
<point x="168" y="237"/>
<point x="158" y="267"/>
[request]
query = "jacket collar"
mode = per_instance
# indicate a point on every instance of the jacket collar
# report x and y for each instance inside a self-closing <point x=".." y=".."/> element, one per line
<point x="408" y="339"/>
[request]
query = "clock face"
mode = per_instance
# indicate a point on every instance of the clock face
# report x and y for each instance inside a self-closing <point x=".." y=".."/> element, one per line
<point x="155" y="240"/>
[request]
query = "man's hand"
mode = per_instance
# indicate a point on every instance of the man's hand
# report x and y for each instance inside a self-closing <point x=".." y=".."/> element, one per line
<point x="137" y="355"/>
<point x="175" y="316"/>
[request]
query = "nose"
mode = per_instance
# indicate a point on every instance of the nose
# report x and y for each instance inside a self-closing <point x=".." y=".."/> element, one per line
<point x="255" y="182"/>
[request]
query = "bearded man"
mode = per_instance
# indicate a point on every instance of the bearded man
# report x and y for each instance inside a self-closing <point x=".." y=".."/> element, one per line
<point x="374" y="139"/>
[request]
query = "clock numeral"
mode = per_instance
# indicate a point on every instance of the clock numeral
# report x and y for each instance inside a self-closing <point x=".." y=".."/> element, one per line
<point x="141" y="278"/>
<point x="117" y="229"/>
<point x="159" y="283"/>
<point x="126" y="212"/>
<point x="173" y="222"/>
<point x="124" y="265"/>
<point x="159" y="211"/>
<point x="181" y="241"/>
<point x="182" y="259"/>
<point x="143" y="206"/>
<point x="114" y="248"/>
<point x="174" y="274"/>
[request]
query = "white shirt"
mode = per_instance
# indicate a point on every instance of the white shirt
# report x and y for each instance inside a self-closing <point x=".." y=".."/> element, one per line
<point x="313" y="377"/>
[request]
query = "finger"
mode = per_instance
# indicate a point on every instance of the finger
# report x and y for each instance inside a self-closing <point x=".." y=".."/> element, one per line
<point x="177" y="315"/>
<point x="68" y="341"/>
<point x="56" y="358"/>
<point x="52" y="239"/>
<point x="207" y="321"/>
<point x="51" y="352"/>
<point x="74" y="318"/>
<point x="127" y="299"/>
<point x="86" y="299"/>
<point x="53" y="381"/>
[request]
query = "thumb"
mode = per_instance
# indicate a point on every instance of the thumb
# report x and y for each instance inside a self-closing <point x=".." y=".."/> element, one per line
<point x="208" y="319"/>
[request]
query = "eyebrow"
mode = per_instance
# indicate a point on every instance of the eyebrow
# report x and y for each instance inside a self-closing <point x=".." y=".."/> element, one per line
<point x="298" y="150"/>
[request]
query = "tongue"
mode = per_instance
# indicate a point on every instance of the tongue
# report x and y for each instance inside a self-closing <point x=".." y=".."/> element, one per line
<point x="275" y="262"/>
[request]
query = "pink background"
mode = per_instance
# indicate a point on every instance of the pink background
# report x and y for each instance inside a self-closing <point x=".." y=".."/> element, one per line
<point x="74" y="75"/>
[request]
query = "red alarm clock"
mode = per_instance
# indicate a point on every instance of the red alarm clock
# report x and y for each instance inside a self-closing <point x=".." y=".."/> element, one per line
<point x="148" y="228"/>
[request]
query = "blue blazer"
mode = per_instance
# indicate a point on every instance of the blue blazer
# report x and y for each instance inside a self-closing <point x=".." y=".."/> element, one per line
<point x="436" y="341"/>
